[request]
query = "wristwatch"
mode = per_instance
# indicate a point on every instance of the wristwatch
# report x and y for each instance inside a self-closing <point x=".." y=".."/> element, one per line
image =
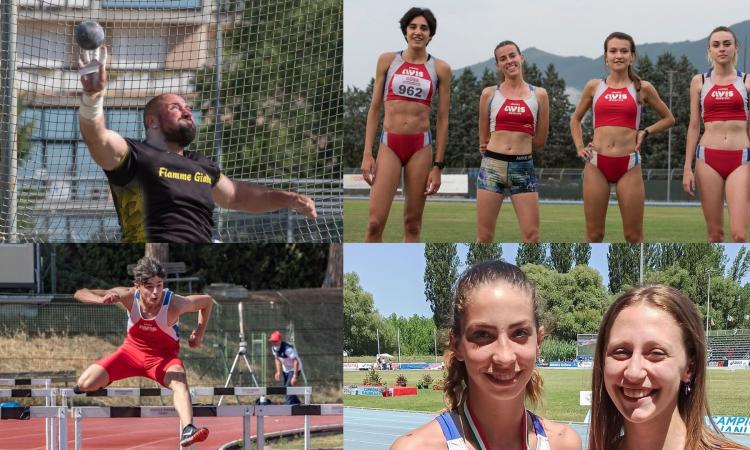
<point x="439" y="164"/>
<point x="645" y="133"/>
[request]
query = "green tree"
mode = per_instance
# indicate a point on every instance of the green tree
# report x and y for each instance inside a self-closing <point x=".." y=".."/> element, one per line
<point x="532" y="74"/>
<point x="531" y="254"/>
<point x="561" y="256"/>
<point x="281" y="91"/>
<point x="559" y="141"/>
<point x="483" y="252"/>
<point x="356" y="106"/>
<point x="361" y="319"/>
<point x="416" y="334"/>
<point x="489" y="78"/>
<point x="740" y="265"/>
<point x="441" y="271"/>
<point x="463" y="138"/>
<point x="581" y="253"/>
<point x="624" y="266"/>
<point x="572" y="302"/>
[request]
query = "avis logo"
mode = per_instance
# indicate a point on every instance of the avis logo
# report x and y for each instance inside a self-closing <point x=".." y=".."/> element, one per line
<point x="413" y="72"/>
<point x="724" y="94"/>
<point x="515" y="109"/>
<point x="616" y="96"/>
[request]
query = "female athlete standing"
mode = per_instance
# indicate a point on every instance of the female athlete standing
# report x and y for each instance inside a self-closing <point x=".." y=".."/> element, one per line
<point x="406" y="82"/>
<point x="720" y="98"/>
<point x="613" y="157"/>
<point x="494" y="343"/>
<point x="513" y="120"/>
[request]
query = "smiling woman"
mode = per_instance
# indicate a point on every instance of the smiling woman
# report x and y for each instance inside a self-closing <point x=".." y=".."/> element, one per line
<point x="649" y="375"/>
<point x="494" y="342"/>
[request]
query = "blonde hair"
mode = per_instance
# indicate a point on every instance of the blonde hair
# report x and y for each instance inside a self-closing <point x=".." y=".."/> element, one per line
<point x="736" y="45"/>
<point x="606" y="420"/>
<point x="456" y="383"/>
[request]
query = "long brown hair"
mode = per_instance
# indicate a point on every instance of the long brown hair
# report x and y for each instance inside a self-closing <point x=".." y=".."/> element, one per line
<point x="457" y="383"/>
<point x="606" y="420"/>
<point x="631" y="73"/>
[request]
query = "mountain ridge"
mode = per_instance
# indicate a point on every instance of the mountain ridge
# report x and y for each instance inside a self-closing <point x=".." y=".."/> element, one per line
<point x="577" y="70"/>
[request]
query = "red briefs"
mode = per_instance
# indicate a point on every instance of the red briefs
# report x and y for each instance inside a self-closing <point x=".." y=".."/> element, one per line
<point x="406" y="145"/>
<point x="723" y="161"/>
<point x="128" y="361"/>
<point x="614" y="167"/>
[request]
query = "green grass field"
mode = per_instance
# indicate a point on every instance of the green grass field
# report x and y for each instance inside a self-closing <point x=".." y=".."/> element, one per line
<point x="561" y="388"/>
<point x="456" y="222"/>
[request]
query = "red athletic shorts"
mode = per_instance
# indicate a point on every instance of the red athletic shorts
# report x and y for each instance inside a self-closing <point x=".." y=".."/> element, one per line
<point x="127" y="361"/>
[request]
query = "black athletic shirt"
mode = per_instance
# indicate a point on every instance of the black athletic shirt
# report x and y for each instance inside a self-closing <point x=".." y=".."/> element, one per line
<point x="162" y="196"/>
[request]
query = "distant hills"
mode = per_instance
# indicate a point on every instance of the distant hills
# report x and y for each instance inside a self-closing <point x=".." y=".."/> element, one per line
<point x="577" y="70"/>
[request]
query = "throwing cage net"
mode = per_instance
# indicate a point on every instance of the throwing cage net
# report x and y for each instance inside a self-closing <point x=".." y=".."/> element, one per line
<point x="264" y="79"/>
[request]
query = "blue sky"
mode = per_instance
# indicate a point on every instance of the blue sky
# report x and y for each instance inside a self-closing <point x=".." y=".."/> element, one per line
<point x="467" y="32"/>
<point x="394" y="273"/>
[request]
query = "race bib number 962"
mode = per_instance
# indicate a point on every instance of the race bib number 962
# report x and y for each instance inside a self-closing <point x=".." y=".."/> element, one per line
<point x="412" y="87"/>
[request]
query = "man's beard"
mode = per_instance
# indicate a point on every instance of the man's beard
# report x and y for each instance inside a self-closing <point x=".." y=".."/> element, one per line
<point x="182" y="134"/>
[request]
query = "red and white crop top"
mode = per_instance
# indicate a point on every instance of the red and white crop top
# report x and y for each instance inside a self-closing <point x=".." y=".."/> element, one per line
<point x="720" y="102"/>
<point x="411" y="82"/>
<point x="616" y="107"/>
<point x="514" y="115"/>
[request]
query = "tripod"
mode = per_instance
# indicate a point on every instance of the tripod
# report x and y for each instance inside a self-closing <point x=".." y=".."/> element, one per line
<point x="242" y="351"/>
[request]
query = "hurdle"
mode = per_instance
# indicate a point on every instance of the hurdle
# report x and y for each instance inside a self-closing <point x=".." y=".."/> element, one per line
<point x="50" y="413"/>
<point x="244" y="411"/>
<point x="50" y="395"/>
<point x="68" y="395"/>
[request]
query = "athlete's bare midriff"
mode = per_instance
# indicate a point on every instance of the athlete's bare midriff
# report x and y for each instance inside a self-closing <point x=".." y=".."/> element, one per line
<point x="726" y="135"/>
<point x="405" y="117"/>
<point x="509" y="143"/>
<point x="614" y="141"/>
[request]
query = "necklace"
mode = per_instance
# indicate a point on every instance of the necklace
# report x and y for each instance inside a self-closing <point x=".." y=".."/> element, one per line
<point x="478" y="436"/>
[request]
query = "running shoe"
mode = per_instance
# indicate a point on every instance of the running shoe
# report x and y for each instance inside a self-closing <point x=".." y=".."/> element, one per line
<point x="191" y="435"/>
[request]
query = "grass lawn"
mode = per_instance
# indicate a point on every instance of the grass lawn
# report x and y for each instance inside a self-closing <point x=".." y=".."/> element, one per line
<point x="456" y="222"/>
<point x="561" y="388"/>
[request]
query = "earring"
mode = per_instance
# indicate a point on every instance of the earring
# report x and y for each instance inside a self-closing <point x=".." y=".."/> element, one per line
<point x="687" y="389"/>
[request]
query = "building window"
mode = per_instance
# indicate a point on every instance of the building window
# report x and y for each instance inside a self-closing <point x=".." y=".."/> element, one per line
<point x="41" y="49"/>
<point x="139" y="49"/>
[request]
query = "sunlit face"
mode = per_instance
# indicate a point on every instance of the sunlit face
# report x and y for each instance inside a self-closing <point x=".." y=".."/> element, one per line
<point x="721" y="47"/>
<point x="418" y="32"/>
<point x="508" y="59"/>
<point x="618" y="55"/>
<point x="176" y="120"/>
<point x="645" y="363"/>
<point x="151" y="291"/>
<point x="499" y="341"/>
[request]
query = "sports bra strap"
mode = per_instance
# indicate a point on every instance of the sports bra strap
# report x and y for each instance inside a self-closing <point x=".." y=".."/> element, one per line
<point x="538" y="427"/>
<point x="448" y="425"/>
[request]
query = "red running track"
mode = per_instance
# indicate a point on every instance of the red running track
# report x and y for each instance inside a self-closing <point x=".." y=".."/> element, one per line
<point x="146" y="433"/>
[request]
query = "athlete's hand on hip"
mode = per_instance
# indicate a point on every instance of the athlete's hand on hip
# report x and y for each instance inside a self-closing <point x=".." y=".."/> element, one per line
<point x="433" y="182"/>
<point x="305" y="206"/>
<point x="110" y="298"/>
<point x="96" y="82"/>
<point x="277" y="376"/>
<point x="586" y="152"/>
<point x="368" y="169"/>
<point x="196" y="339"/>
<point x="483" y="147"/>
<point x="688" y="182"/>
